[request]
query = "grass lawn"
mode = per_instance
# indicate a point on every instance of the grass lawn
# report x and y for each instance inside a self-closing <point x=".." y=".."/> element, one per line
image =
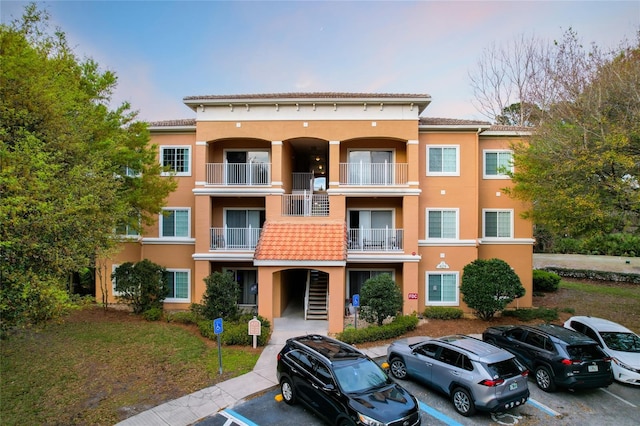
<point x="98" y="368"/>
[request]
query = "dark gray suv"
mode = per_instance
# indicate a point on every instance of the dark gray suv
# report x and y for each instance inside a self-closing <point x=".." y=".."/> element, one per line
<point x="474" y="374"/>
<point x="557" y="356"/>
<point x="342" y="385"/>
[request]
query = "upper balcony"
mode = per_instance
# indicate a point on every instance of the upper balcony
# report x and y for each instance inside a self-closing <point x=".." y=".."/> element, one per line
<point x="373" y="174"/>
<point x="239" y="174"/>
<point x="371" y="239"/>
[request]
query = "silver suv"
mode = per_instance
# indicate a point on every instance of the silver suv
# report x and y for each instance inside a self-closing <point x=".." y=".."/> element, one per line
<point x="474" y="374"/>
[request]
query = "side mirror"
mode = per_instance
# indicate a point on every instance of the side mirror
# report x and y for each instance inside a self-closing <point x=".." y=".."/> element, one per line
<point x="329" y="388"/>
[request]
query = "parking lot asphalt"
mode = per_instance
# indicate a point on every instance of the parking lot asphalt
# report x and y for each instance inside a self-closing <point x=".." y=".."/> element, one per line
<point x="190" y="408"/>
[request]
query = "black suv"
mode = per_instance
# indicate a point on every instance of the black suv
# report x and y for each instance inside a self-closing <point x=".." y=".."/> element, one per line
<point x="557" y="356"/>
<point x="342" y="385"/>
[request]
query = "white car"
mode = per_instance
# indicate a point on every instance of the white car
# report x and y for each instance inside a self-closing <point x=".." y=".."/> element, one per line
<point x="617" y="341"/>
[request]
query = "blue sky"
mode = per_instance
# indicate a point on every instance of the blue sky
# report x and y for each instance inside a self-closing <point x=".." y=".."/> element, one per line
<point x="163" y="51"/>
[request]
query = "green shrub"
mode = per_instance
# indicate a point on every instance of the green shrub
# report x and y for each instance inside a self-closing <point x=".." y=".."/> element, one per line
<point x="380" y="298"/>
<point x="153" y="314"/>
<point x="237" y="332"/>
<point x="400" y="325"/>
<point x="531" y="314"/>
<point x="220" y="299"/>
<point x="142" y="285"/>
<point x="544" y="281"/>
<point x="488" y="286"/>
<point x="443" y="312"/>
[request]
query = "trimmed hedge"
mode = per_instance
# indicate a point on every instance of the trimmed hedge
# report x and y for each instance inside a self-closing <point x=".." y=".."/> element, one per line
<point x="545" y="281"/>
<point x="596" y="275"/>
<point x="443" y="312"/>
<point x="399" y="326"/>
<point x="236" y="333"/>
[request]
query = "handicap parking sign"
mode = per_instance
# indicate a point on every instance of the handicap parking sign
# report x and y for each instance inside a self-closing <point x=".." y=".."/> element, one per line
<point x="355" y="301"/>
<point x="217" y="325"/>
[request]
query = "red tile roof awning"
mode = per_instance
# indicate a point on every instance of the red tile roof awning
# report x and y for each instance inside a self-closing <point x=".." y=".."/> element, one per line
<point x="298" y="242"/>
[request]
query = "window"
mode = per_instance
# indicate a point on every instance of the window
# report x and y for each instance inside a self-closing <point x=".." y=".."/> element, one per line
<point x="358" y="277"/>
<point x="175" y="223"/>
<point x="177" y="158"/>
<point x="442" y="288"/>
<point x="442" y="224"/>
<point x="178" y="283"/>
<point x="498" y="224"/>
<point x="442" y="161"/>
<point x="497" y="164"/>
<point x="113" y="282"/>
<point x="126" y="230"/>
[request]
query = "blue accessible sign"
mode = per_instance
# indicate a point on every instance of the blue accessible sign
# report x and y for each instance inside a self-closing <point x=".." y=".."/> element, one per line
<point x="355" y="301"/>
<point x="217" y="326"/>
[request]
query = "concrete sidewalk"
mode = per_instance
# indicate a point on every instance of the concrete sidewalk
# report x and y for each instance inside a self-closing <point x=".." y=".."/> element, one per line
<point x="206" y="402"/>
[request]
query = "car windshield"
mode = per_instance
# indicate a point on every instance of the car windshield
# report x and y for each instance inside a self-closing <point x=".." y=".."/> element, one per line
<point x="505" y="369"/>
<point x="624" y="342"/>
<point x="585" y="352"/>
<point x="359" y="376"/>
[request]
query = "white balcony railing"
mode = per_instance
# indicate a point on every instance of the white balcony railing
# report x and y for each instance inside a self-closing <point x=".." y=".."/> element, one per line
<point x="364" y="239"/>
<point x="234" y="238"/>
<point x="305" y="204"/>
<point x="233" y="174"/>
<point x="373" y="174"/>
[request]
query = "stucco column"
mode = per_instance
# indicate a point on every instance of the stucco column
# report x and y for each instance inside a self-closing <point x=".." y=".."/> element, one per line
<point x="413" y="163"/>
<point x="201" y="271"/>
<point x="410" y="288"/>
<point x="267" y="293"/>
<point x="334" y="164"/>
<point x="337" y="295"/>
<point x="200" y="166"/>
<point x="202" y="223"/>
<point x="276" y="164"/>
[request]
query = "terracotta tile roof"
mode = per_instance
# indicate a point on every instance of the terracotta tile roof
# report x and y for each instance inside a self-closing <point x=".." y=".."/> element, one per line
<point x="438" y="121"/>
<point x="298" y="241"/>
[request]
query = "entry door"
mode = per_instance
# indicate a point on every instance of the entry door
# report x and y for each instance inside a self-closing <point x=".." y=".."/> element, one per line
<point x="247" y="167"/>
<point x="370" y="167"/>
<point x="372" y="226"/>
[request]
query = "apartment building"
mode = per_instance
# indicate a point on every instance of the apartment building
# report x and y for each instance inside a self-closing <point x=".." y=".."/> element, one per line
<point x="304" y="196"/>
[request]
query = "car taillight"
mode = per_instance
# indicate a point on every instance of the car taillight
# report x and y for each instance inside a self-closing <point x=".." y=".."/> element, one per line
<point x="491" y="383"/>
<point x="608" y="359"/>
<point x="278" y="357"/>
<point x="525" y="373"/>
<point x="570" y="361"/>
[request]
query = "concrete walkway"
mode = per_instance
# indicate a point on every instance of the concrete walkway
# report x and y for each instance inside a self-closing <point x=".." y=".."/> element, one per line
<point x="206" y="402"/>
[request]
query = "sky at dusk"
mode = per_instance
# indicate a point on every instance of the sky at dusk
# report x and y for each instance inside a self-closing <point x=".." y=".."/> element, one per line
<point x="162" y="51"/>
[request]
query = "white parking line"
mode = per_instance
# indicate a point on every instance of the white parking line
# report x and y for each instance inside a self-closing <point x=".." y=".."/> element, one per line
<point x="236" y="418"/>
<point x="621" y="399"/>
<point x="541" y="406"/>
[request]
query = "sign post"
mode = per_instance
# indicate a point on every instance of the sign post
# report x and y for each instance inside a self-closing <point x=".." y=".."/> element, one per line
<point x="355" y="301"/>
<point x="254" y="330"/>
<point x="217" y="329"/>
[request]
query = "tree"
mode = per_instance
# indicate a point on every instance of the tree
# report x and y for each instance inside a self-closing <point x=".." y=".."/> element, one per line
<point x="510" y="84"/>
<point x="580" y="172"/>
<point x="488" y="286"/>
<point x="143" y="285"/>
<point x="71" y="168"/>
<point x="220" y="299"/>
<point x="380" y="298"/>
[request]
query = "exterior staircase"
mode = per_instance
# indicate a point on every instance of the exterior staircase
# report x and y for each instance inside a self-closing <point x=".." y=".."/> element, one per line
<point x="317" y="286"/>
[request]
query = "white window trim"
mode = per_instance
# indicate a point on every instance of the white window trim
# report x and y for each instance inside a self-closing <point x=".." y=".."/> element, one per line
<point x="348" y="280"/>
<point x="484" y="225"/>
<point x="173" y="173"/>
<point x="456" y="173"/>
<point x="161" y="220"/>
<point x="179" y="299"/>
<point x="484" y="164"/>
<point x="426" y="288"/>
<point x="443" y="209"/>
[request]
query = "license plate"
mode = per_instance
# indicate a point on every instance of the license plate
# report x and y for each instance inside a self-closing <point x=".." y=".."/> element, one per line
<point x="593" y="368"/>
<point x="513" y="386"/>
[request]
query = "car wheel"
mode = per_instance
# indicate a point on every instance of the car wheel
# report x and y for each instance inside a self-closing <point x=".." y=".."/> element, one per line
<point x="462" y="402"/>
<point x="398" y="368"/>
<point x="544" y="380"/>
<point x="288" y="394"/>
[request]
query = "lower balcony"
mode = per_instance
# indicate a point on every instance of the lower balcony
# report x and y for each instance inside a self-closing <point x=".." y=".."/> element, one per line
<point x="384" y="240"/>
<point x="234" y="238"/>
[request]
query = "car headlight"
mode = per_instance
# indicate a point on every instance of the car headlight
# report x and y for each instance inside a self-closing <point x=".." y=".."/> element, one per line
<point x="625" y="366"/>
<point x="366" y="420"/>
